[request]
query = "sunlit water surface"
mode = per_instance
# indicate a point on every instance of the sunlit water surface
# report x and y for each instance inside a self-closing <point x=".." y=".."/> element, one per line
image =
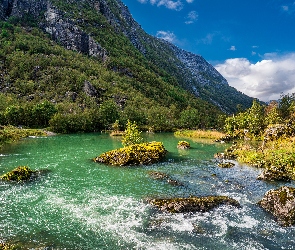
<point x="79" y="204"/>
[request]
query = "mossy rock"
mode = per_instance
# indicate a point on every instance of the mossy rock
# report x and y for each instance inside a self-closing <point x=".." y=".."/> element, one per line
<point x="183" y="145"/>
<point x="6" y="246"/>
<point x="226" y="164"/>
<point x="21" y="173"/>
<point x="274" y="174"/>
<point x="193" y="204"/>
<point x="137" y="154"/>
<point x="281" y="204"/>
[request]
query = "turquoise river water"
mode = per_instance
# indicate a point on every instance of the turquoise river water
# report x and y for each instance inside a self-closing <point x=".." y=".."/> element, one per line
<point x="79" y="204"/>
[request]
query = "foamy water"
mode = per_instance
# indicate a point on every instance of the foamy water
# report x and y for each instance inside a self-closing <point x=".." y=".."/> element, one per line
<point x="79" y="204"/>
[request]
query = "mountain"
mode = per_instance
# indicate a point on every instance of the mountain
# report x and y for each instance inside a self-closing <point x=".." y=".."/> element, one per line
<point x="121" y="62"/>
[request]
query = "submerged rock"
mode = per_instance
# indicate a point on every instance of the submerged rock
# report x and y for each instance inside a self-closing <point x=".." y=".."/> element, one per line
<point x="21" y="173"/>
<point x="281" y="204"/>
<point x="162" y="176"/>
<point x="226" y="164"/>
<point x="183" y="145"/>
<point x="143" y="153"/>
<point x="193" y="204"/>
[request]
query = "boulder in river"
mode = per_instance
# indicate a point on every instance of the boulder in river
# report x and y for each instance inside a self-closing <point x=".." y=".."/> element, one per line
<point x="274" y="174"/>
<point x="21" y="173"/>
<point x="143" y="153"/>
<point x="183" y="145"/>
<point x="281" y="204"/>
<point x="192" y="204"/>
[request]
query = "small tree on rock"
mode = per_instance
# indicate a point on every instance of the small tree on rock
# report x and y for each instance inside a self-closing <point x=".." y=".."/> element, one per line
<point x="132" y="135"/>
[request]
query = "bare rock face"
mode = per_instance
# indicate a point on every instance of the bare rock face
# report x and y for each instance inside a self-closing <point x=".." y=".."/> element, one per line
<point x="281" y="204"/>
<point x="62" y="30"/>
<point x="67" y="33"/>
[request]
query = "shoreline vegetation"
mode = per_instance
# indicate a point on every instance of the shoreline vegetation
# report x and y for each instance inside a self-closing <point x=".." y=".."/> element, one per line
<point x="203" y="134"/>
<point x="10" y="133"/>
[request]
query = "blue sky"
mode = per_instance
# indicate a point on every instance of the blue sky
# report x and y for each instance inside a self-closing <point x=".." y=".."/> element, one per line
<point x="251" y="43"/>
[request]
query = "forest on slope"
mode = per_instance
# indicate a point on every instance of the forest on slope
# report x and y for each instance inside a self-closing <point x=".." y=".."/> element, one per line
<point x="50" y="77"/>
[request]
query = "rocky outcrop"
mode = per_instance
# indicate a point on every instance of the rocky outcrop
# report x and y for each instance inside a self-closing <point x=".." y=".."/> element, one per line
<point x="63" y="30"/>
<point x="69" y="35"/>
<point x="193" y="204"/>
<point x="281" y="204"/>
<point x="273" y="173"/>
<point x="137" y="154"/>
<point x="183" y="145"/>
<point x="21" y="173"/>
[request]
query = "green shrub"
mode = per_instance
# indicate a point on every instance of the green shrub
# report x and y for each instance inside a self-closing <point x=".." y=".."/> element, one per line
<point x="132" y="135"/>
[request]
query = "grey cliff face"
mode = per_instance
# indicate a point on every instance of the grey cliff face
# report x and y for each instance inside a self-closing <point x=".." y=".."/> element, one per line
<point x="67" y="33"/>
<point x="50" y="19"/>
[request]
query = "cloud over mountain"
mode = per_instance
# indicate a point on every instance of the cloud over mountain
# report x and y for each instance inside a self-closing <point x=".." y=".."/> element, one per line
<point x="265" y="80"/>
<point x="170" y="4"/>
<point x="166" y="35"/>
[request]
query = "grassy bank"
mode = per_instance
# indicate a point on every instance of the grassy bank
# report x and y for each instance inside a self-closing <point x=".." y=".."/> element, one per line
<point x="277" y="156"/>
<point x="11" y="134"/>
<point x="208" y="134"/>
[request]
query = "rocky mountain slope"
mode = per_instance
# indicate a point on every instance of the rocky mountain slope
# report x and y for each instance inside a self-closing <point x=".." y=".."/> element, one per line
<point x="82" y="26"/>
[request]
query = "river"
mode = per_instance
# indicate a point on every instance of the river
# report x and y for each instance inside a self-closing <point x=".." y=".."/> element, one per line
<point x="79" y="204"/>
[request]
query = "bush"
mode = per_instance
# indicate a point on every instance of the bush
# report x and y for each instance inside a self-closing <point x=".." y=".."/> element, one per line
<point x="132" y="135"/>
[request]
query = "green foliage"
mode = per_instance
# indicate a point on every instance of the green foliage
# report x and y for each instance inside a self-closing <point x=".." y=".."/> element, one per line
<point x="132" y="135"/>
<point x="11" y="134"/>
<point x="42" y="83"/>
<point x="251" y="121"/>
<point x="144" y="153"/>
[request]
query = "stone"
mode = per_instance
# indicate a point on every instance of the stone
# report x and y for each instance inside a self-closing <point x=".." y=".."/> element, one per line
<point x="226" y="164"/>
<point x="183" y="145"/>
<point x="136" y="154"/>
<point x="273" y="174"/>
<point x="21" y="173"/>
<point x="192" y="204"/>
<point x="281" y="204"/>
<point x="164" y="177"/>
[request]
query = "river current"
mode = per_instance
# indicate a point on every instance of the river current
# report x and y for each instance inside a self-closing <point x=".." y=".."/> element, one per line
<point x="79" y="204"/>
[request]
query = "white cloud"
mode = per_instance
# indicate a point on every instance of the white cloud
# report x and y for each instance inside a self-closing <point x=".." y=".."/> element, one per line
<point x="166" y="35"/>
<point x="289" y="8"/>
<point x="170" y="4"/>
<point x="233" y="48"/>
<point x="189" y="1"/>
<point x="265" y="80"/>
<point x="285" y="8"/>
<point x="191" y="17"/>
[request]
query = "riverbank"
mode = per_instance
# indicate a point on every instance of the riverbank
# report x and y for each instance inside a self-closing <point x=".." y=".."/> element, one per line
<point x="10" y="134"/>
<point x="203" y="134"/>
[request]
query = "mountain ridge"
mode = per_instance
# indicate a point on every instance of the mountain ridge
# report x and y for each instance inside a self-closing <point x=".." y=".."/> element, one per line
<point x="91" y="59"/>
